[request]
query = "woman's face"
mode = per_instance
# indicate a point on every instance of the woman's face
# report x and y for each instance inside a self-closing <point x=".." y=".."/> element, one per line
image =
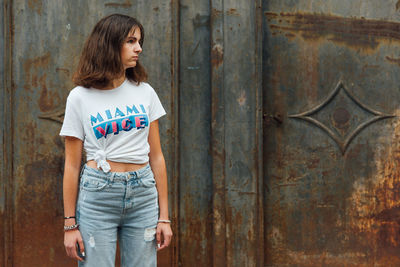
<point x="131" y="49"/>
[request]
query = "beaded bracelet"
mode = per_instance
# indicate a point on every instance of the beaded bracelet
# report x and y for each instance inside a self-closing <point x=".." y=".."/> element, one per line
<point x="163" y="221"/>
<point x="71" y="227"/>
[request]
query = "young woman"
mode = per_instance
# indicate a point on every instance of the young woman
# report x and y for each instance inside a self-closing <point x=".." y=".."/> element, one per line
<point x="121" y="192"/>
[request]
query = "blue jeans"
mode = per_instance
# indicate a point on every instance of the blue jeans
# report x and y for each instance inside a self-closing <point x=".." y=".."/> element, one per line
<point x="118" y="205"/>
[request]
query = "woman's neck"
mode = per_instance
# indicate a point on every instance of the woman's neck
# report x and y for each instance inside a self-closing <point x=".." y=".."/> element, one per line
<point x="115" y="83"/>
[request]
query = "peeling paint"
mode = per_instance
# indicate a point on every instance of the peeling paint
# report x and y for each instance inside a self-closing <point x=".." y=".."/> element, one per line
<point x="67" y="32"/>
<point x="217" y="55"/>
<point x="242" y="98"/>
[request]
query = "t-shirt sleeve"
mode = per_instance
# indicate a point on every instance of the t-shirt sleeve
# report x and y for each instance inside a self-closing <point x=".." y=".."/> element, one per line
<point x="156" y="108"/>
<point x="72" y="125"/>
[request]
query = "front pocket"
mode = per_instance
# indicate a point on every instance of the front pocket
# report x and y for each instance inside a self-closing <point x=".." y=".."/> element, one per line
<point x="93" y="184"/>
<point x="148" y="181"/>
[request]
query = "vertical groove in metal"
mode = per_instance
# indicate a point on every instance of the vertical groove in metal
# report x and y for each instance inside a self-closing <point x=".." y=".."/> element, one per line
<point x="175" y="17"/>
<point x="258" y="164"/>
<point x="218" y="131"/>
<point x="7" y="148"/>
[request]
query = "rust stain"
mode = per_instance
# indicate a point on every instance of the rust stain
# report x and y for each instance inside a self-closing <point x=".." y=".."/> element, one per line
<point x="232" y="11"/>
<point x="374" y="211"/>
<point x="35" y="71"/>
<point x="195" y="227"/>
<point x="393" y="60"/>
<point x="216" y="13"/>
<point x="242" y="98"/>
<point x="125" y="4"/>
<point x="217" y="55"/>
<point x="313" y="163"/>
<point x="271" y="15"/>
<point x="39" y="201"/>
<point x="357" y="33"/>
<point x="32" y="68"/>
<point x="63" y="70"/>
<point x="46" y="99"/>
<point x="35" y="5"/>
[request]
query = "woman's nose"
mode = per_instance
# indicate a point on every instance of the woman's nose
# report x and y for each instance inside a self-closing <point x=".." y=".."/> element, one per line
<point x="138" y="48"/>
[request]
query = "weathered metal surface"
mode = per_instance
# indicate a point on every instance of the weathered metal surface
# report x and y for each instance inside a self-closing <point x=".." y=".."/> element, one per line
<point x="331" y="128"/>
<point x="3" y="217"/>
<point x="6" y="96"/>
<point x="195" y="189"/>
<point x="218" y="132"/>
<point x="41" y="70"/>
<point x="331" y="179"/>
<point x="240" y="87"/>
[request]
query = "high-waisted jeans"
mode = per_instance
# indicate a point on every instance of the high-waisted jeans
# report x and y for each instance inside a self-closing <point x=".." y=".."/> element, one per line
<point x="118" y="205"/>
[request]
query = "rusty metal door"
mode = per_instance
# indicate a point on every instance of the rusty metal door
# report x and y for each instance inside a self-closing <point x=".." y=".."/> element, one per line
<point x="327" y="81"/>
<point x="204" y="60"/>
<point x="331" y="142"/>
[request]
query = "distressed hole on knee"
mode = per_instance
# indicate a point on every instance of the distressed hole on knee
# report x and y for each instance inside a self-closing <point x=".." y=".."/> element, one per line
<point x="92" y="243"/>
<point x="149" y="234"/>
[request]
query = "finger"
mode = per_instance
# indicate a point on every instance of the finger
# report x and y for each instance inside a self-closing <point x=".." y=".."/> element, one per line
<point x="69" y="249"/>
<point x="158" y="236"/>
<point x="73" y="253"/>
<point x="81" y="246"/>
<point x="66" y="250"/>
<point x="76" y="256"/>
<point x="161" y="247"/>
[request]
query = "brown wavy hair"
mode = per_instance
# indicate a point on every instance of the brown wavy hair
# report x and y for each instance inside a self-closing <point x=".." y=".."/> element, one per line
<point x="100" y="62"/>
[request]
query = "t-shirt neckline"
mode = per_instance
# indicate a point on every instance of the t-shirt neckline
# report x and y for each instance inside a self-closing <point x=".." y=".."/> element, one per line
<point x="113" y="89"/>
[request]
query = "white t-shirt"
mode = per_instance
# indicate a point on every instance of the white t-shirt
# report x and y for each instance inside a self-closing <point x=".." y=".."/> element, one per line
<point x="114" y="124"/>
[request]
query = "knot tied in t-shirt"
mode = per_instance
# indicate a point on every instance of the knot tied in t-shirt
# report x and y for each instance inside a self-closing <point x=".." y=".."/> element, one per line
<point x="100" y="158"/>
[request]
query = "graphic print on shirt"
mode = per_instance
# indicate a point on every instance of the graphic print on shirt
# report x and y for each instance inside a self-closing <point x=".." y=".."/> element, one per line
<point x="119" y="119"/>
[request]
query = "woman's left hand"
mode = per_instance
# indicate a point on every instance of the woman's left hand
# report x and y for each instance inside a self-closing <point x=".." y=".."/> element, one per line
<point x="163" y="235"/>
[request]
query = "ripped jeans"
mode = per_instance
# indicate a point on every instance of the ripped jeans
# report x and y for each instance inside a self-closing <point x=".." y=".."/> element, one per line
<point x="118" y="205"/>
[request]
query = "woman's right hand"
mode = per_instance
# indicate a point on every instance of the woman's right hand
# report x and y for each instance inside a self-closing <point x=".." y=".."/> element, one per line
<point x="71" y="239"/>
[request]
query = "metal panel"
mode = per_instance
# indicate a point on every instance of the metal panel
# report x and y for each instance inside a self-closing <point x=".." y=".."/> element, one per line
<point x="235" y="144"/>
<point x="6" y="184"/>
<point x="331" y="105"/>
<point x="240" y="84"/>
<point x="195" y="188"/>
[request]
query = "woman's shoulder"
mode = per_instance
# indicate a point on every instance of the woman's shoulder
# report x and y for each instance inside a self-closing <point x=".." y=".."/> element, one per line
<point x="77" y="93"/>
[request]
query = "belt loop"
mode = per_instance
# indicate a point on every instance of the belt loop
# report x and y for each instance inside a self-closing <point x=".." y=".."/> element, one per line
<point x="112" y="177"/>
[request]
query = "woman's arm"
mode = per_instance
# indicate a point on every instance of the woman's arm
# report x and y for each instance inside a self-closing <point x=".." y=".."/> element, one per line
<point x="73" y="156"/>
<point x="157" y="163"/>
